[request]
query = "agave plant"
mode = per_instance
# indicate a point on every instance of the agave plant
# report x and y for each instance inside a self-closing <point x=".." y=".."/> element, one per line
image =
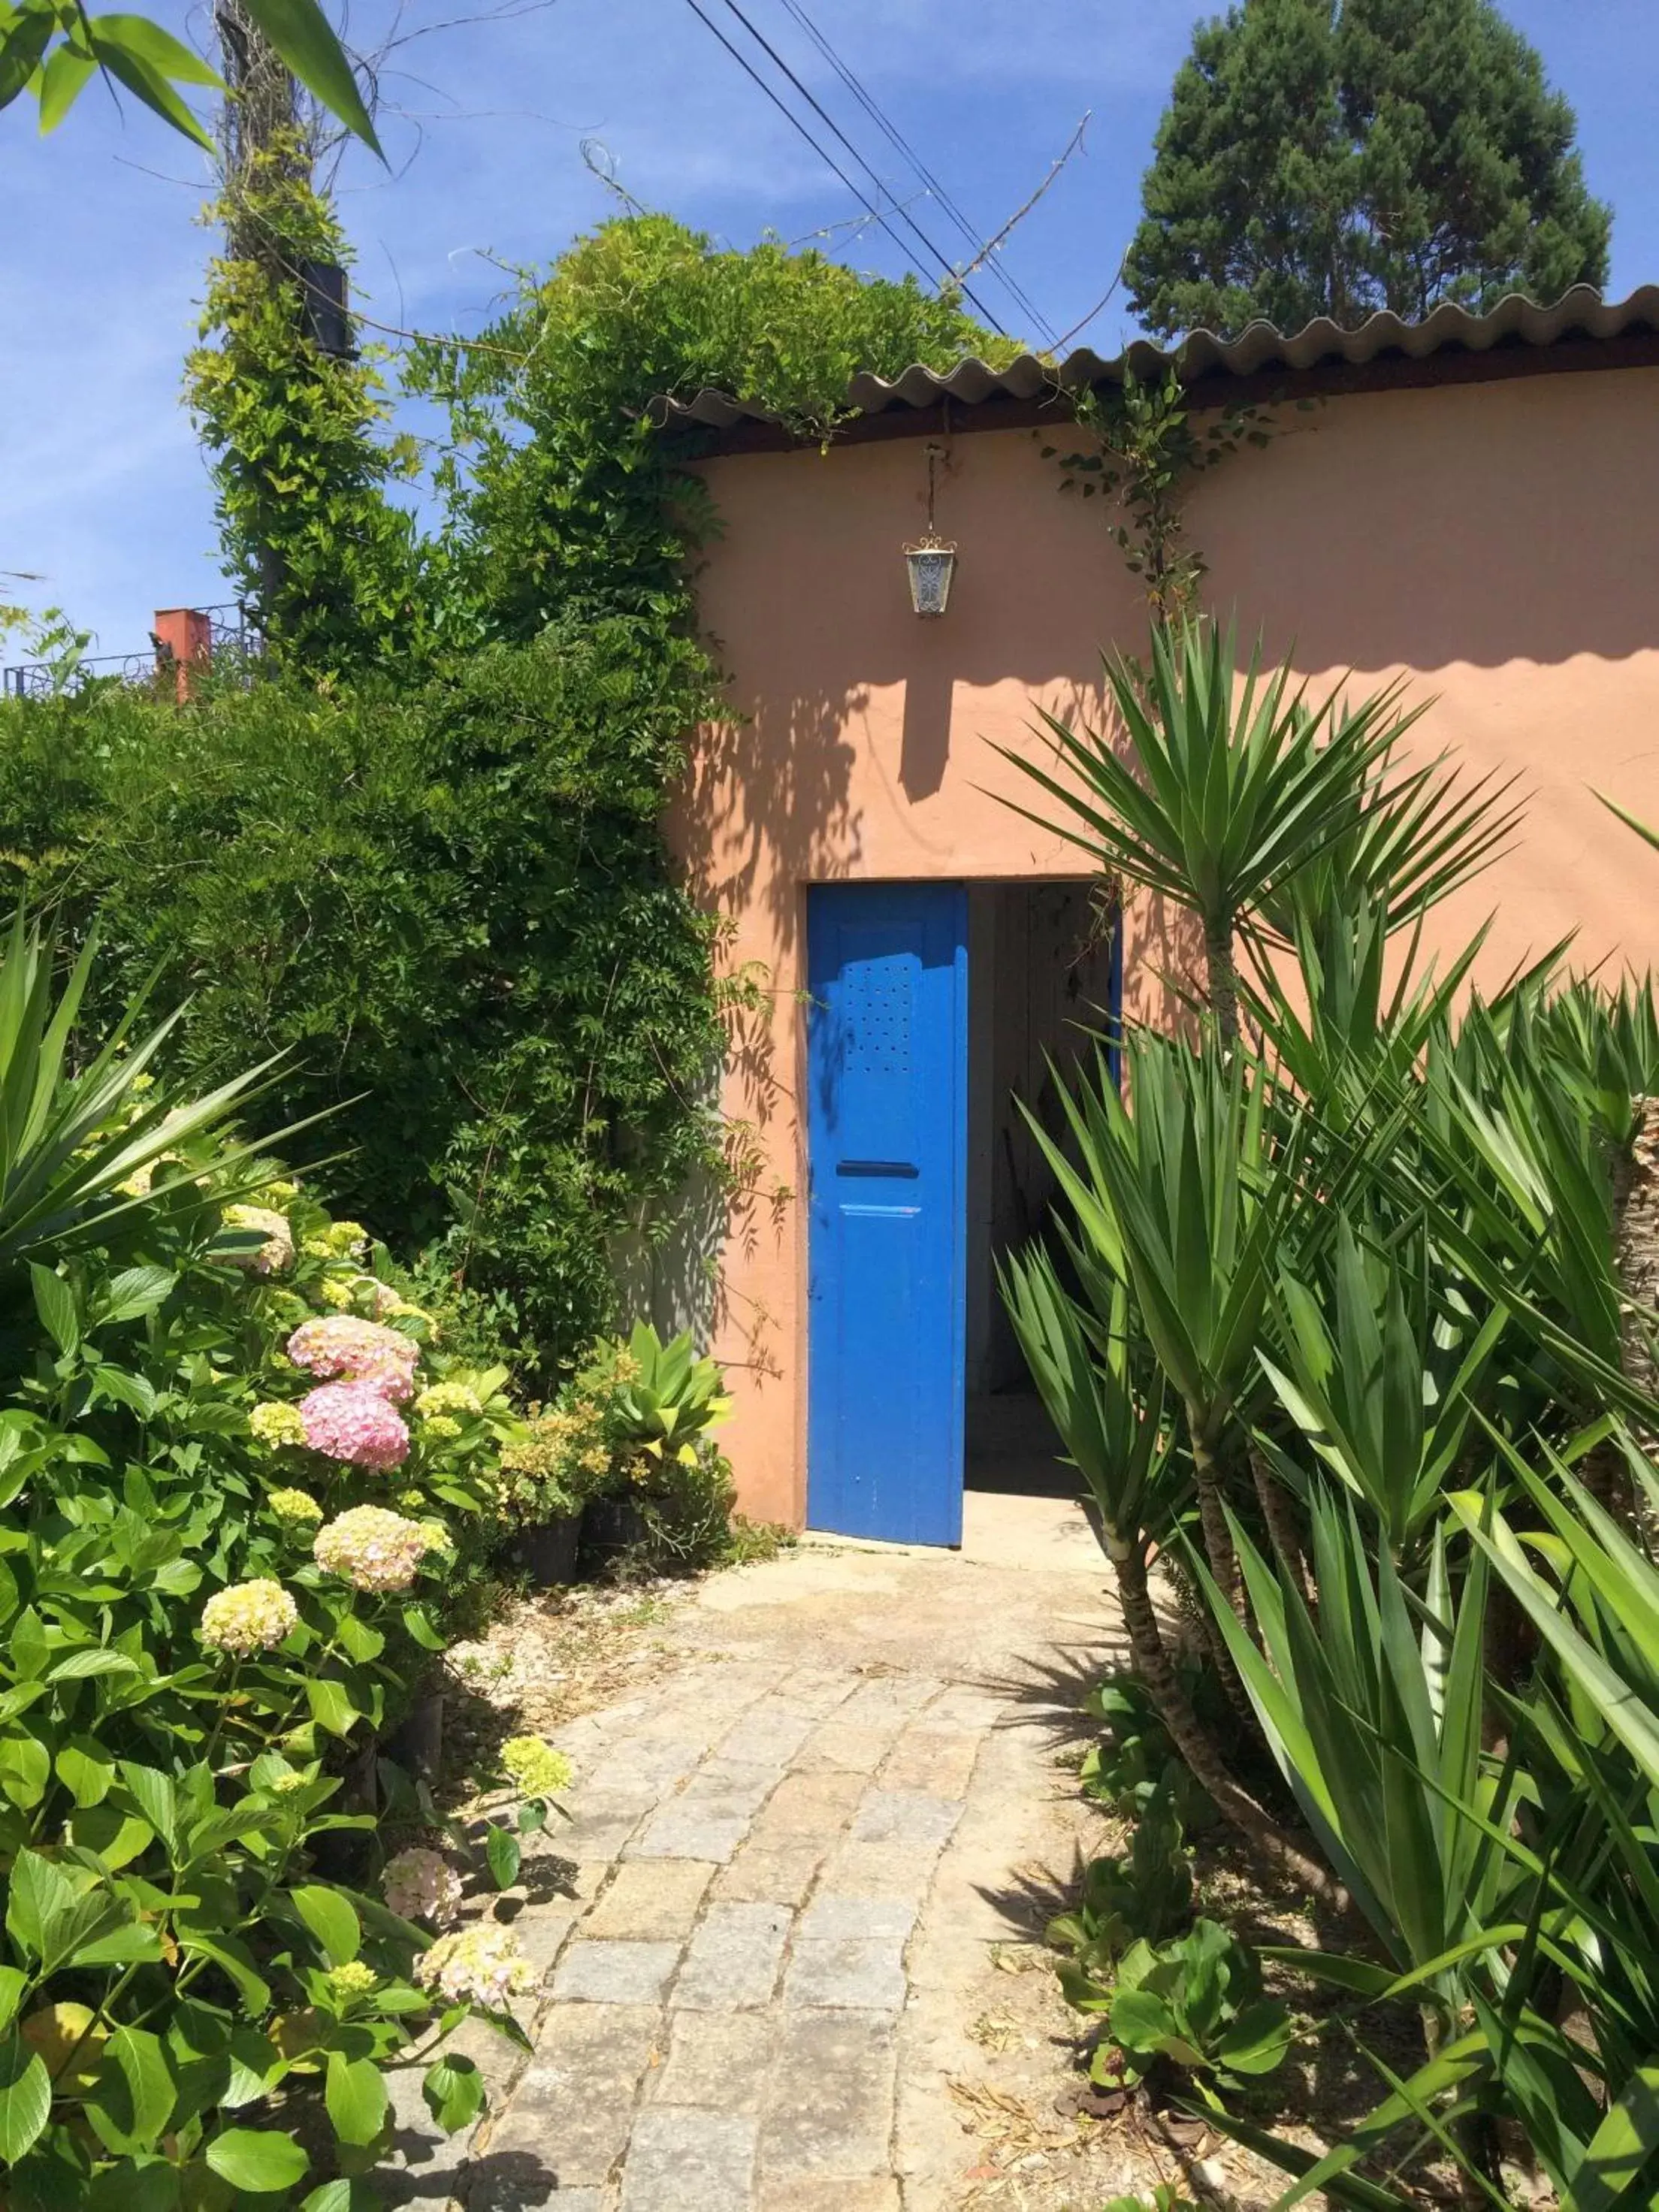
<point x="1228" y="790"/>
<point x="669" y="1398"/>
<point x="80" y="1141"/>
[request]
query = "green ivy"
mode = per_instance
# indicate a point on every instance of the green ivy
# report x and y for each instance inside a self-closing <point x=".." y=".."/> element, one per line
<point x="301" y="461"/>
<point x="563" y="493"/>
<point x="1144" y="452"/>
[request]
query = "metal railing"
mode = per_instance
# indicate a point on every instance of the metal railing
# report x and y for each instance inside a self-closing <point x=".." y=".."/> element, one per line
<point x="235" y="644"/>
<point x="233" y="636"/>
<point x="54" y="679"/>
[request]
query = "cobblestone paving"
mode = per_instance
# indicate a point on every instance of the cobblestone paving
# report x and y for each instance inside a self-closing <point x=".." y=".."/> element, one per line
<point x="732" y="1946"/>
<point x="725" y="1990"/>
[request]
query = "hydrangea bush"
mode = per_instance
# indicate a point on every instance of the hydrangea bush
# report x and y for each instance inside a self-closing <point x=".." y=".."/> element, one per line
<point x="238" y="1473"/>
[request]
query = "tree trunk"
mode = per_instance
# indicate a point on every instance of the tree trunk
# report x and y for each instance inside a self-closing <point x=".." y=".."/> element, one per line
<point x="1636" y="1255"/>
<point x="265" y="122"/>
<point x="1222" y="972"/>
<point x="1279" y="1514"/>
<point x="1190" y="1737"/>
<point x="1606" y="1474"/>
<point x="1213" y="1517"/>
<point x="1222" y="1561"/>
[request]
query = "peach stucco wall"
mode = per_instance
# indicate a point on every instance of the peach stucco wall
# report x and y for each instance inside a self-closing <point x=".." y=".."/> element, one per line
<point x="1497" y="543"/>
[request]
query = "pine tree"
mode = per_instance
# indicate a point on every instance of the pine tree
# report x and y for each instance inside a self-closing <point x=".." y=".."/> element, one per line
<point x="1331" y="157"/>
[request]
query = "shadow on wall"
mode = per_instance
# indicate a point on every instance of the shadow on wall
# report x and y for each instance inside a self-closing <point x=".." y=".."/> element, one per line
<point x="668" y="1274"/>
<point x="925" y="743"/>
<point x="770" y="787"/>
<point x="858" y="724"/>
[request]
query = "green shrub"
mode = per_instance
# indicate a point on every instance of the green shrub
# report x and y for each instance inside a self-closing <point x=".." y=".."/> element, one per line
<point x="451" y="908"/>
<point x="635" y="1418"/>
<point x="634" y="1422"/>
<point x="1134" y="1761"/>
<point x="1195" y="2006"/>
<point x="1148" y="1891"/>
<point x="687" y="1508"/>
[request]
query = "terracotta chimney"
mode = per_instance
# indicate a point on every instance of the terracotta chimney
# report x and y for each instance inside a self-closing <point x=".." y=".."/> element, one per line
<point x="183" y="639"/>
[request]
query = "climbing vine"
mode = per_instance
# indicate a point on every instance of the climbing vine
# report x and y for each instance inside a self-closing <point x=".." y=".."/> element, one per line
<point x="1145" y="451"/>
<point x="301" y="458"/>
<point x="563" y="495"/>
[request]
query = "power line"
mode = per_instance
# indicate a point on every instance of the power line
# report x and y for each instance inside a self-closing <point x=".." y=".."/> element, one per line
<point x="790" y="117"/>
<point x="909" y="221"/>
<point x="902" y="145"/>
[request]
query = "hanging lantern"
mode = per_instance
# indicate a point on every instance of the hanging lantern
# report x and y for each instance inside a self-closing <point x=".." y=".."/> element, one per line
<point x="932" y="563"/>
<point x="931" y="560"/>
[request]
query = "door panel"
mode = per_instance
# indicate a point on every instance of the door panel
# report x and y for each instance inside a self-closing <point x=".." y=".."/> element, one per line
<point x="887" y="974"/>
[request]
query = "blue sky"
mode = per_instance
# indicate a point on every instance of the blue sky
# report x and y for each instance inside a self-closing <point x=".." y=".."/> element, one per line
<point x="101" y="488"/>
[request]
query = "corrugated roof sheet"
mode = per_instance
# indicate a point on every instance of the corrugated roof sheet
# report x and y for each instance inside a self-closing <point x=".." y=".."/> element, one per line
<point x="1580" y="313"/>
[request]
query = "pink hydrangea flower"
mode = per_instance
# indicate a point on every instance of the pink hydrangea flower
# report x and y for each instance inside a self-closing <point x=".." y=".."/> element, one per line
<point x="343" y="1347"/>
<point x="276" y="1255"/>
<point x="355" y="1421"/>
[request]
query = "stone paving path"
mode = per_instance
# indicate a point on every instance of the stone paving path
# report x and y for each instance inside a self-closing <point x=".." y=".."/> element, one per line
<point x="735" y="2000"/>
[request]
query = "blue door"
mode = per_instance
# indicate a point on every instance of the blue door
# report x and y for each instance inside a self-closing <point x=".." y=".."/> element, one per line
<point x="887" y="1069"/>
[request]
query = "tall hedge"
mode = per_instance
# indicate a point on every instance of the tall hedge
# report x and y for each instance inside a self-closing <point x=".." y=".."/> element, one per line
<point x="451" y="908"/>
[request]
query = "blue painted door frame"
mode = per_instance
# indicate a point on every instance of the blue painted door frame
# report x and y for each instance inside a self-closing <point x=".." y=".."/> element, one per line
<point x="887" y="1079"/>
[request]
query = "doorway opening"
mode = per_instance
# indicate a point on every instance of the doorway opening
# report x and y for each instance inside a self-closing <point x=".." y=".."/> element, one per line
<point x="1045" y="985"/>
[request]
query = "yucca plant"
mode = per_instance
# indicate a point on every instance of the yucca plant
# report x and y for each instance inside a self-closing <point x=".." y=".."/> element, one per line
<point x="1349" y="1023"/>
<point x="1605" y="1045"/>
<point x="1594" y="1599"/>
<point x="1381" y="1375"/>
<point x="1229" y="787"/>
<point x="80" y="1140"/>
<point x="1113" y="1427"/>
<point x="1519" y="1163"/>
<point x="1557" y="1977"/>
<point x="1373" y="1710"/>
<point x="1409" y="840"/>
<point x="1189" y="1200"/>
